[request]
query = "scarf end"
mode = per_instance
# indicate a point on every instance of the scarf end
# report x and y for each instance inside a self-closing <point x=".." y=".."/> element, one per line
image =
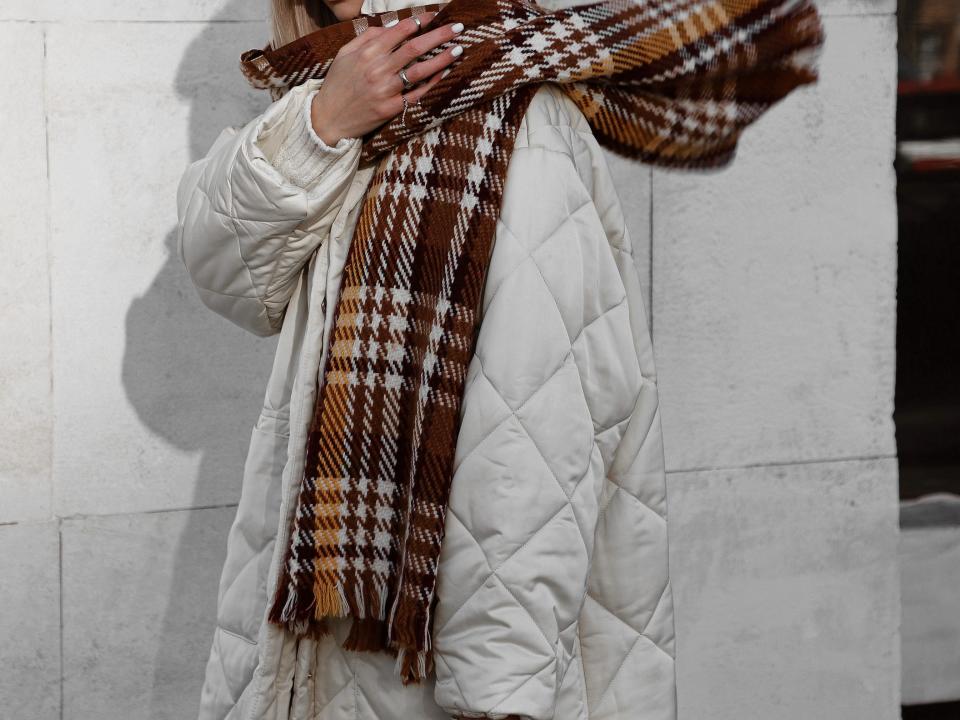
<point x="284" y="616"/>
<point x="367" y="635"/>
<point x="413" y="666"/>
<point x="290" y="609"/>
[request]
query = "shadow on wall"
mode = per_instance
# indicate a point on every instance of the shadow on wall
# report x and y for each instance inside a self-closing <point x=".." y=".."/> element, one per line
<point x="195" y="379"/>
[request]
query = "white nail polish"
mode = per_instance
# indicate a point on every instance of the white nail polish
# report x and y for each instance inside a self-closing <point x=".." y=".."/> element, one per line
<point x="457" y="50"/>
<point x="445" y="73"/>
<point x="391" y="23"/>
<point x="457" y="27"/>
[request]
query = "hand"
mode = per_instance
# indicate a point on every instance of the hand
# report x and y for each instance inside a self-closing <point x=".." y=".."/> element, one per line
<point x="362" y="88"/>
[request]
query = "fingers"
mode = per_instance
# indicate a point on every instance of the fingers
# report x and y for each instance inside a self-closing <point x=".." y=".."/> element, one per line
<point x="389" y="37"/>
<point x="423" y="88"/>
<point x="422" y="44"/>
<point x="380" y="64"/>
<point x="425" y="68"/>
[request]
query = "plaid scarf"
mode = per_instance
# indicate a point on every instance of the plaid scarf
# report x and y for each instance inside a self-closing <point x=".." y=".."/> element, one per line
<point x="671" y="82"/>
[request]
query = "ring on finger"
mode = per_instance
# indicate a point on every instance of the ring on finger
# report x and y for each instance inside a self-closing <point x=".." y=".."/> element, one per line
<point x="404" y="79"/>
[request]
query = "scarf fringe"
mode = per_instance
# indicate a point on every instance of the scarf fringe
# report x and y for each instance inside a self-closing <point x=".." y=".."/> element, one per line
<point x="368" y="609"/>
<point x="331" y="600"/>
<point x="314" y="628"/>
<point x="369" y="631"/>
<point x="413" y="666"/>
<point x="367" y="635"/>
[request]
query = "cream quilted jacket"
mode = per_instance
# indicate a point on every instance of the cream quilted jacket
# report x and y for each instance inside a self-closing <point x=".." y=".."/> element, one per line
<point x="554" y="593"/>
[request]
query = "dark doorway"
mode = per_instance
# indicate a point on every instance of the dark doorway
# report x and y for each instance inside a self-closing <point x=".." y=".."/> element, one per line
<point x="927" y="400"/>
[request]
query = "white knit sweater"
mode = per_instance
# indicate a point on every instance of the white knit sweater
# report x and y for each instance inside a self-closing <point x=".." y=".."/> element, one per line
<point x="303" y="156"/>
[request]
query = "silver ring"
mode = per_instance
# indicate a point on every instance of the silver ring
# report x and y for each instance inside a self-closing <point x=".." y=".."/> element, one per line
<point x="406" y="81"/>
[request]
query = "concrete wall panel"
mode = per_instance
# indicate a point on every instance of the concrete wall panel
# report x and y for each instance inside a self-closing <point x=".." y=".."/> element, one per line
<point x="26" y="424"/>
<point x="30" y="621"/>
<point x="140" y="596"/>
<point x="135" y="10"/>
<point x="155" y="394"/>
<point x="774" y="279"/>
<point x="786" y="592"/>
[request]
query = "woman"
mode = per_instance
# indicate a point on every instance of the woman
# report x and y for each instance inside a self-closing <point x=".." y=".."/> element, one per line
<point x="553" y="597"/>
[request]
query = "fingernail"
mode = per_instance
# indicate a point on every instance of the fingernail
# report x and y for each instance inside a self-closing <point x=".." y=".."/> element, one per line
<point x="457" y="50"/>
<point x="457" y="27"/>
<point x="391" y="23"/>
<point x="445" y="73"/>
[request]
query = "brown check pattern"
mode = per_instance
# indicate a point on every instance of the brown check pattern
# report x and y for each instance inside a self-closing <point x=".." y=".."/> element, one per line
<point x="672" y="82"/>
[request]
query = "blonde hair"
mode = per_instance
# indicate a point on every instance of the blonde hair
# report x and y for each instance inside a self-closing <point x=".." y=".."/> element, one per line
<point x="293" y="19"/>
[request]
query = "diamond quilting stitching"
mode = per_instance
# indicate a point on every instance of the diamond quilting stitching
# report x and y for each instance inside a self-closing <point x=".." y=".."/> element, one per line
<point x="553" y="231"/>
<point x="504" y="562"/>
<point x="599" y="430"/>
<point x="573" y="490"/>
<point x="512" y="413"/>
<point x="486" y="560"/>
<point x="583" y="325"/>
<point x="627" y="625"/>
<point x="533" y="443"/>
<point x="576" y="338"/>
<point x="528" y="252"/>
<point x="540" y="386"/>
<point x="527" y="679"/>
<point x="599" y="317"/>
<point x="495" y="290"/>
<point x="223" y="669"/>
<point x="623" y="622"/>
<point x="439" y="659"/>
<point x="663" y="588"/>
<point x="620" y="488"/>
<point x="640" y="637"/>
<point x="317" y="709"/>
<point x="369" y="713"/>
<point x="531" y="256"/>
<point x="623" y="661"/>
<point x="526" y="431"/>
<point x="517" y="601"/>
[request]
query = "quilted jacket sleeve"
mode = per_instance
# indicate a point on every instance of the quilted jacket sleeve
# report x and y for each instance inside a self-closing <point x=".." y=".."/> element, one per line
<point x="551" y="387"/>
<point x="253" y="210"/>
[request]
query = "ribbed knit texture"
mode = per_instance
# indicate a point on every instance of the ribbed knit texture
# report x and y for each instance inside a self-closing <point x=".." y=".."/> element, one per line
<point x="303" y="156"/>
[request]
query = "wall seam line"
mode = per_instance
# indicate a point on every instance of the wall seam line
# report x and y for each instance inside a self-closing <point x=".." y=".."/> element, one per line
<point x="156" y="511"/>
<point x="783" y="463"/>
<point x="60" y="608"/>
<point x="48" y="228"/>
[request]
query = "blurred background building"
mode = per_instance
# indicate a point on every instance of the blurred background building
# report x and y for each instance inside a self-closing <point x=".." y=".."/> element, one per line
<point x="928" y="345"/>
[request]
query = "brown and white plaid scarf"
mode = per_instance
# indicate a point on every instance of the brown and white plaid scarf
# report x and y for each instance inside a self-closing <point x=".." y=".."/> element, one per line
<point x="671" y="82"/>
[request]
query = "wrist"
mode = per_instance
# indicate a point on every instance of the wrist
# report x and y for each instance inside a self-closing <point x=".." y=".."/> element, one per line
<point x="304" y="157"/>
<point x="323" y="126"/>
